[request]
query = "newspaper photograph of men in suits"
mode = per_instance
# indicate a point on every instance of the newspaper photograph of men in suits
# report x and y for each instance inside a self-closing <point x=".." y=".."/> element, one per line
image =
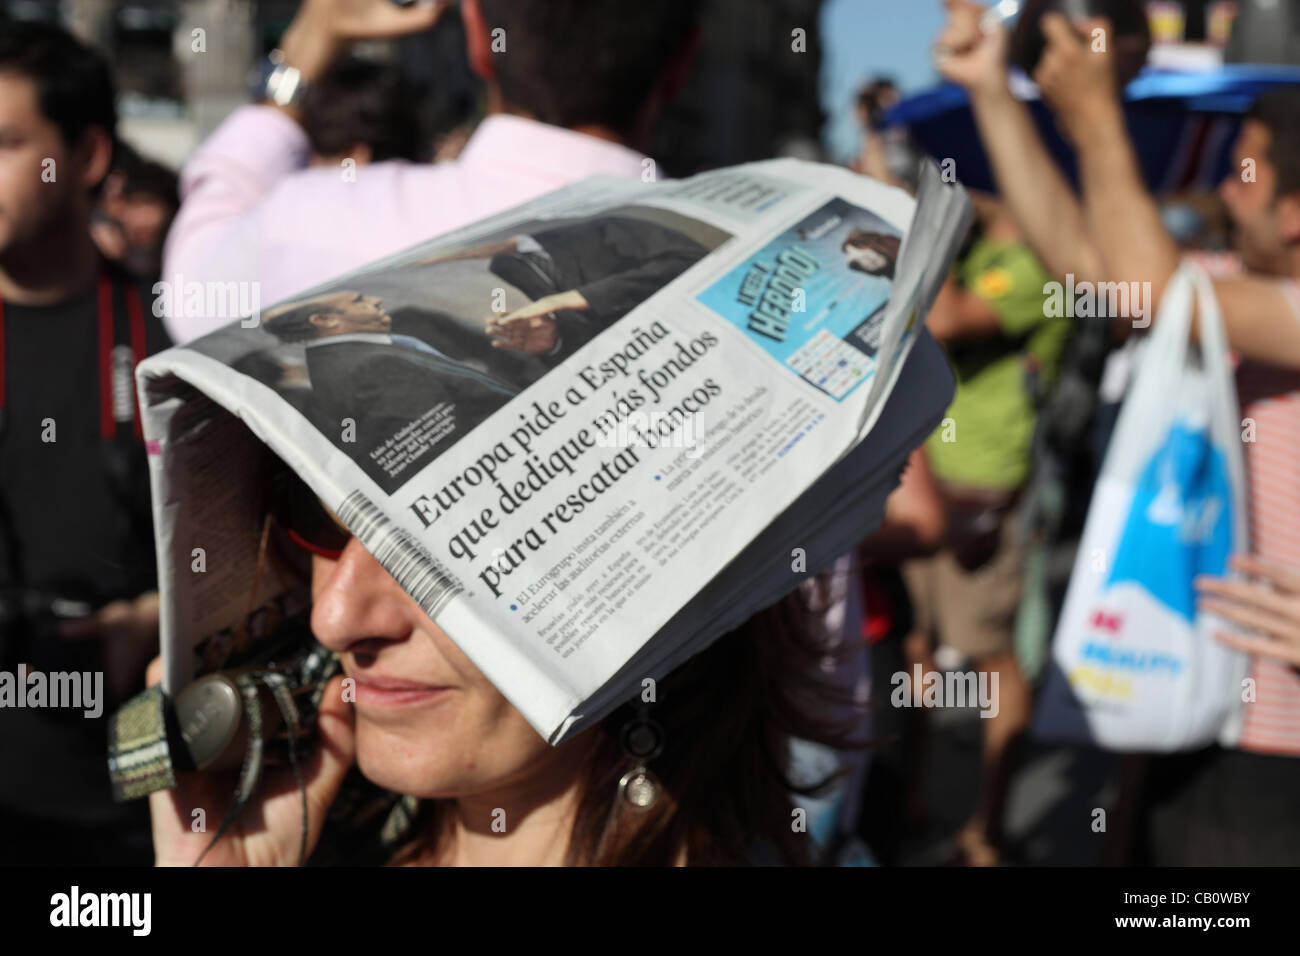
<point x="396" y="364"/>
<point x="581" y="276"/>
<point x="372" y="390"/>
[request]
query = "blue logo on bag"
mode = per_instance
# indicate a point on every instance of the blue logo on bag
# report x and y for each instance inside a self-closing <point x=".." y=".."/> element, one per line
<point x="1180" y="522"/>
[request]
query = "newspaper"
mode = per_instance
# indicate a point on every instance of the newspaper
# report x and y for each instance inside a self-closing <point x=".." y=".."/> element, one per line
<point x="588" y="436"/>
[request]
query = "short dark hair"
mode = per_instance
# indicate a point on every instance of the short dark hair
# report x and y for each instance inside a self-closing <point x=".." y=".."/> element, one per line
<point x="362" y="102"/>
<point x="577" y="62"/>
<point x="142" y="178"/>
<point x="1279" y="110"/>
<point x="74" y="86"/>
<point x="292" y="322"/>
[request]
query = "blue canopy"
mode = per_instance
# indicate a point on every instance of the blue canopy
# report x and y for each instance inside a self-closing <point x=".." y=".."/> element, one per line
<point x="1182" y="123"/>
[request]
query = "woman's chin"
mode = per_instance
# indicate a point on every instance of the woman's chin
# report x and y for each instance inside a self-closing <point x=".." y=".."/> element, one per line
<point x="428" y="768"/>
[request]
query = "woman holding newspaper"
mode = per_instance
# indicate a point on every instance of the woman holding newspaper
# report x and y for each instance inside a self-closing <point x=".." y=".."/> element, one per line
<point x="417" y="718"/>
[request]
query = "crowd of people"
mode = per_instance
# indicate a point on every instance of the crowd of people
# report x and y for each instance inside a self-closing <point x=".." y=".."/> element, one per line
<point x="791" y="711"/>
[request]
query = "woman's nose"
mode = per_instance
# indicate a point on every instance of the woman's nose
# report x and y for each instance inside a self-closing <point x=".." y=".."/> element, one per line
<point x="355" y="599"/>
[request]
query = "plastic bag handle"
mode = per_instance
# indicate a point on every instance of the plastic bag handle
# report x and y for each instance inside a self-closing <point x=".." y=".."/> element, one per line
<point x="1162" y="361"/>
<point x="1216" y="361"/>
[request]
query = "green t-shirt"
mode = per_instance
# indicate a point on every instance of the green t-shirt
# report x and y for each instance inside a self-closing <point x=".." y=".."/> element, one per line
<point x="992" y="414"/>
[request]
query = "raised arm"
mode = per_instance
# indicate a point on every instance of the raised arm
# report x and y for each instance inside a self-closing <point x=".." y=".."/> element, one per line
<point x="1078" y="80"/>
<point x="1037" y="194"/>
<point x="216" y="234"/>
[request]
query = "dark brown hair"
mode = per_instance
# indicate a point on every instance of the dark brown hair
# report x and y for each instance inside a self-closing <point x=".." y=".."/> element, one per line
<point x="574" y="62"/>
<point x="292" y="323"/>
<point x="360" y="102"/>
<point x="884" y="244"/>
<point x="74" y="85"/>
<point x="727" y="718"/>
<point x="1279" y="111"/>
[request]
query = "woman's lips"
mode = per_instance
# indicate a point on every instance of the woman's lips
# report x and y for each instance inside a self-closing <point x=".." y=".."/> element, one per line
<point x="391" y="692"/>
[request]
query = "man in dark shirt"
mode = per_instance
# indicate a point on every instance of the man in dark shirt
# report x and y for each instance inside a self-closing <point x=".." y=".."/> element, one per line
<point x="77" y="570"/>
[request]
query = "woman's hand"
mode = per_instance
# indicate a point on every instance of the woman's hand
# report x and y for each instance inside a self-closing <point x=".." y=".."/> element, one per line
<point x="269" y="831"/>
<point x="1269" y="605"/>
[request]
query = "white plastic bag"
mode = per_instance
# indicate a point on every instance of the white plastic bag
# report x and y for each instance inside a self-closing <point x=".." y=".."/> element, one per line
<point x="1134" y="666"/>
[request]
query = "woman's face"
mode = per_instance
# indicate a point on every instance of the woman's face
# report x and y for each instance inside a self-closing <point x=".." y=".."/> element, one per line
<point x="428" y="723"/>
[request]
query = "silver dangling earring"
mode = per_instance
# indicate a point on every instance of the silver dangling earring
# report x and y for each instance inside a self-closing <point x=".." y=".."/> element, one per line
<point x="642" y="740"/>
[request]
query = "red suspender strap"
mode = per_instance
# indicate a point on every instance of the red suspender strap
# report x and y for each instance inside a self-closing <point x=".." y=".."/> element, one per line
<point x="135" y="313"/>
<point x="107" y="427"/>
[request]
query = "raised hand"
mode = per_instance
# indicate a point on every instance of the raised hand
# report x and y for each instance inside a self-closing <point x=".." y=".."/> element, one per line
<point x="323" y="29"/>
<point x="1077" y="72"/>
<point x="351" y="20"/>
<point x="965" y="54"/>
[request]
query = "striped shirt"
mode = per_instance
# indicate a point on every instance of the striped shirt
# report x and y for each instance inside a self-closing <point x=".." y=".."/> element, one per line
<point x="1269" y="397"/>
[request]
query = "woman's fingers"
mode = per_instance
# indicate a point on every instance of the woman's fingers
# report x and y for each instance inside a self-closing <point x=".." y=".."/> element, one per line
<point x="1248" y="593"/>
<point x="269" y="831"/>
<point x="1270" y="605"/>
<point x="186" y="817"/>
<point x="279" y="817"/>
<point x="1282" y="577"/>
<point x="1262" y="647"/>
<point x="1256" y="619"/>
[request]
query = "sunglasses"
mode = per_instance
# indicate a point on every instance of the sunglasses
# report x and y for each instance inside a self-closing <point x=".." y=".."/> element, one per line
<point x="308" y="523"/>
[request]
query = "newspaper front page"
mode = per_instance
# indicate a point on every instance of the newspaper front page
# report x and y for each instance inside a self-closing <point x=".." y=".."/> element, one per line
<point x="577" y="434"/>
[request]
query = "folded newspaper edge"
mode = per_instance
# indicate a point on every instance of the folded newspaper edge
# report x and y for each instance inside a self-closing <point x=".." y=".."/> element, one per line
<point x="586" y="513"/>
